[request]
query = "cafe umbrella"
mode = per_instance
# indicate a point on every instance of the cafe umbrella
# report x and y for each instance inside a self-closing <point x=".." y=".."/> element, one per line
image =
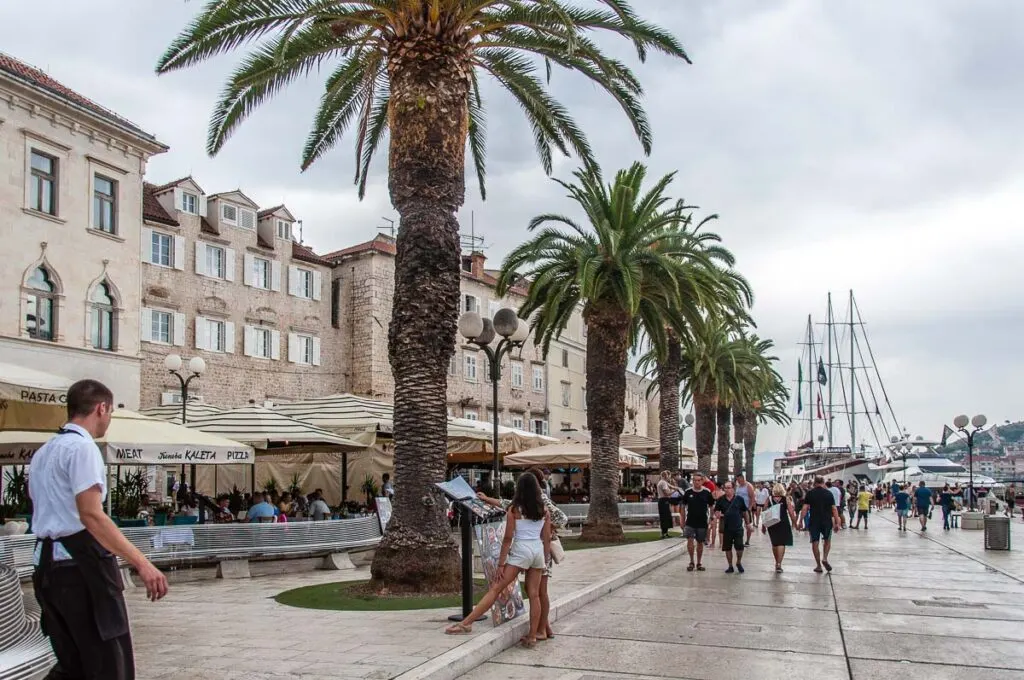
<point x="31" y="399"/>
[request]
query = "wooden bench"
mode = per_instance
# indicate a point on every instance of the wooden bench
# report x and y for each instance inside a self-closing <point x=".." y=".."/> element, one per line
<point x="25" y="653"/>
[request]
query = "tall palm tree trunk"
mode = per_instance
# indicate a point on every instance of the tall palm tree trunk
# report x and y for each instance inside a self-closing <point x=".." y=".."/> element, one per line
<point x="668" y="406"/>
<point x="750" y="441"/>
<point x="428" y="115"/>
<point x="723" y="440"/>
<point x="739" y="419"/>
<point x="704" y="430"/>
<point x="607" y="345"/>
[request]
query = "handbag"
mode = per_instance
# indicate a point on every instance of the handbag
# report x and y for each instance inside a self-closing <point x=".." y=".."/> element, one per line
<point x="772" y="516"/>
<point x="557" y="551"/>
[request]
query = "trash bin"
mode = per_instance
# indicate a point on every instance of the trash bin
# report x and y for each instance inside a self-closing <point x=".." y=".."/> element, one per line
<point x="997" y="533"/>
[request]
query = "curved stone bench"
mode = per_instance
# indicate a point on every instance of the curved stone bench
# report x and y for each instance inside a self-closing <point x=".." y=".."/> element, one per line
<point x="25" y="653"/>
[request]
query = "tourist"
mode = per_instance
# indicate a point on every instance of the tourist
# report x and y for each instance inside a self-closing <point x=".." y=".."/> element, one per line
<point x="716" y="493"/>
<point x="836" y="490"/>
<point x="387" y="489"/>
<point x="318" y="508"/>
<point x="526" y="547"/>
<point x="781" y="534"/>
<point x="822" y="519"/>
<point x="946" y="504"/>
<point x="761" y="498"/>
<point x="901" y="499"/>
<point x="665" y="491"/>
<point x="745" y="490"/>
<point x="853" y="499"/>
<point x="284" y="506"/>
<point x="923" y="501"/>
<point x="262" y="510"/>
<point x="696" y="503"/>
<point x="76" y="580"/>
<point x="879" y="496"/>
<point x="863" y="501"/>
<point x="223" y="514"/>
<point x="731" y="512"/>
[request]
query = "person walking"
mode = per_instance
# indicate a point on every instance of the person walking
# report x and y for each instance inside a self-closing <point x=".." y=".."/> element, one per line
<point x="745" y="490"/>
<point x="781" y="535"/>
<point x="76" y="578"/>
<point x="762" y="497"/>
<point x="731" y="511"/>
<point x="836" y="489"/>
<point x="863" y="501"/>
<point x="853" y="500"/>
<point x="665" y="490"/>
<point x="946" y="504"/>
<point x="696" y="503"/>
<point x="822" y="519"/>
<point x="901" y="500"/>
<point x="923" y="501"/>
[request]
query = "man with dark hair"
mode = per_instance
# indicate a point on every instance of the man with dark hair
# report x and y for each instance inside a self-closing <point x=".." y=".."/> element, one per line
<point x="76" y="579"/>
<point x="822" y="518"/>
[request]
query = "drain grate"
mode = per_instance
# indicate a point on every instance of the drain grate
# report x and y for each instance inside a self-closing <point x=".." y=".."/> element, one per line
<point x="727" y="625"/>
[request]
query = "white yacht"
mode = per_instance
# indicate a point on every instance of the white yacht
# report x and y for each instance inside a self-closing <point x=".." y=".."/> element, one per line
<point x="917" y="461"/>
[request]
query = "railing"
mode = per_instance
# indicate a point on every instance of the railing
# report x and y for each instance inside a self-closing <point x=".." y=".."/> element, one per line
<point x="209" y="542"/>
<point x="24" y="651"/>
<point x="577" y="512"/>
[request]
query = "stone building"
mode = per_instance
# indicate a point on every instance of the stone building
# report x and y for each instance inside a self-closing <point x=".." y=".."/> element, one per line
<point x="364" y="285"/>
<point x="226" y="281"/>
<point x="71" y="176"/>
<point x="567" y="376"/>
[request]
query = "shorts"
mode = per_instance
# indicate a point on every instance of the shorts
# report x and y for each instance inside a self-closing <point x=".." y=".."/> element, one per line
<point x="862" y="514"/>
<point x="732" y="540"/>
<point x="527" y="555"/>
<point x="699" y="533"/>
<point x="676" y="500"/>
<point x="902" y="512"/>
<point x="820" y="533"/>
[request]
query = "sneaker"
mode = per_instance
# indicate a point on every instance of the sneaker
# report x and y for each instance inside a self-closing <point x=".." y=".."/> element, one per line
<point x="729" y="570"/>
<point x="739" y="568"/>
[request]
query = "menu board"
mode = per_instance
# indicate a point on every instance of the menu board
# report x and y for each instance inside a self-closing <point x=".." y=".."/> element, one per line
<point x="510" y="603"/>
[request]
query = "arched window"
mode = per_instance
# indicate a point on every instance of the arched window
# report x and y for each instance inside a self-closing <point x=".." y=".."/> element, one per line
<point x="101" y="311"/>
<point x="41" y="315"/>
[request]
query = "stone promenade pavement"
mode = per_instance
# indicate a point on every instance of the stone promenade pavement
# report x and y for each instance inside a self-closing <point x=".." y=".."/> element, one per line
<point x="227" y="630"/>
<point x="898" y="605"/>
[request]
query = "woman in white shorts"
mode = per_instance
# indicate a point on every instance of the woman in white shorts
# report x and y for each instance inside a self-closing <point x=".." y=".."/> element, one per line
<point x="525" y="548"/>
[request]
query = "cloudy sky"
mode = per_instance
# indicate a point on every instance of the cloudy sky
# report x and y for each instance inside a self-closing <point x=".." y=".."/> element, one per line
<point x="869" y="145"/>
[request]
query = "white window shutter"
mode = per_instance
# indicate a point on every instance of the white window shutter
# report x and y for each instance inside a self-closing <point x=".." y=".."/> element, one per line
<point x="146" y="325"/>
<point x="179" y="203"/>
<point x="179" y="252"/>
<point x="293" y="347"/>
<point x="229" y="264"/>
<point x="202" y="333"/>
<point x="316" y="351"/>
<point x="275" y="276"/>
<point x="147" y="244"/>
<point x="275" y="345"/>
<point x="200" y="258"/>
<point x="202" y="206"/>
<point x="229" y="337"/>
<point x="248" y="341"/>
<point x="293" y="280"/>
<point x="318" y="282"/>
<point x="248" y="264"/>
<point x="179" y="329"/>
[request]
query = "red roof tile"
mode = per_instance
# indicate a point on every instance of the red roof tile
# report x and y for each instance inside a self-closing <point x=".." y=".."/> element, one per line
<point x="207" y="228"/>
<point x="263" y="213"/>
<point x="169" y="185"/>
<point x="304" y="254"/>
<point x="151" y="208"/>
<point x="38" y="78"/>
<point x="380" y="244"/>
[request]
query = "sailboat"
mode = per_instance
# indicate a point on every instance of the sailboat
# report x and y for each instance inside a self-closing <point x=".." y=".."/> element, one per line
<point x="842" y="409"/>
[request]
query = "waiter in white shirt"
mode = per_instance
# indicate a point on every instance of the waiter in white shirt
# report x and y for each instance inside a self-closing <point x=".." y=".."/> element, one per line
<point x="76" y="579"/>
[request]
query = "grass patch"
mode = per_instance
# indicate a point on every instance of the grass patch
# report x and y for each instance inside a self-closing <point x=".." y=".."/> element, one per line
<point x="355" y="596"/>
<point x="574" y="543"/>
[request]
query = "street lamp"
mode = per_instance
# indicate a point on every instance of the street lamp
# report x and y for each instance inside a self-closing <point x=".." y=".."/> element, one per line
<point x="688" y="421"/>
<point x="196" y="366"/>
<point x="960" y="423"/>
<point x="481" y="332"/>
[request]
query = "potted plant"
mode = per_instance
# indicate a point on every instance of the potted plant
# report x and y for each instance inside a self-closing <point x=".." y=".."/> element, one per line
<point x="235" y="500"/>
<point x="295" y="489"/>
<point x="370" y="489"/>
<point x="270" y="486"/>
<point x="16" y="496"/>
<point x="126" y="498"/>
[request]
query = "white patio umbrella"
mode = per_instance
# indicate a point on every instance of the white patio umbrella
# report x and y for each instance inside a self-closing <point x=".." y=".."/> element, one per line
<point x="574" y="454"/>
<point x="172" y="412"/>
<point x="268" y="430"/>
<point x="32" y="400"/>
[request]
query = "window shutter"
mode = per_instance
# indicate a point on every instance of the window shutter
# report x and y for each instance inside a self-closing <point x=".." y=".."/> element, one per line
<point x="229" y="264"/>
<point x="146" y="244"/>
<point x="200" y="258"/>
<point x="318" y="282"/>
<point x="179" y="253"/>
<point x="229" y="337"/>
<point x="248" y="264"/>
<point x="275" y="345"/>
<point x="275" y="276"/>
<point x="248" y="341"/>
<point x="293" y="280"/>
<point x="179" y="203"/>
<point x="146" y="325"/>
<point x="202" y="333"/>
<point x="179" y="329"/>
<point x="316" y="351"/>
<point x="202" y="206"/>
<point x="293" y="347"/>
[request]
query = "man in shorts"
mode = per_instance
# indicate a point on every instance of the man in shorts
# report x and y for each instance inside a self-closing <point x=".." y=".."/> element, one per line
<point x="822" y="519"/>
<point x="695" y="505"/>
<point x="902" y="502"/>
<point x="923" y="501"/>
<point x="761" y="497"/>
<point x="863" y="507"/>
<point x="731" y="512"/>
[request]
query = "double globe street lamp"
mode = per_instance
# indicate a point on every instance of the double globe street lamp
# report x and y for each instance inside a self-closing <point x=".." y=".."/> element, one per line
<point x="173" y="363"/>
<point x="511" y="332"/>
<point x="977" y="422"/>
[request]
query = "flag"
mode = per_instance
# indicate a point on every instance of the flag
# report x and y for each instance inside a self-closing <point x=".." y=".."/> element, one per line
<point x="821" y="412"/>
<point x="799" y="387"/>
<point x="946" y="432"/>
<point x="822" y="375"/>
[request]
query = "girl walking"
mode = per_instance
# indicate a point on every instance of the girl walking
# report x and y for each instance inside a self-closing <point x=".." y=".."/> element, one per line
<point x="525" y="548"/>
<point x="781" y="534"/>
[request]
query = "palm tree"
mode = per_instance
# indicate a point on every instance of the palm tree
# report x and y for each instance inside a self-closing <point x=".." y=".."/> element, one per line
<point x="410" y="69"/>
<point x="767" y="402"/>
<point x="635" y="266"/>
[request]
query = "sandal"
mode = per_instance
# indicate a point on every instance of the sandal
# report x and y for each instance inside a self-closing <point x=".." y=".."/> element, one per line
<point x="458" y="629"/>
<point x="550" y="634"/>
<point x="689" y="567"/>
<point x="700" y="567"/>
<point x="817" y="570"/>
<point x="778" y="568"/>
<point x="527" y="643"/>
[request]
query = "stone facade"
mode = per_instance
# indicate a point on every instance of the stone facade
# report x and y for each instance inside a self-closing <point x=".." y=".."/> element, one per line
<point x="71" y="176"/>
<point x="225" y="281"/>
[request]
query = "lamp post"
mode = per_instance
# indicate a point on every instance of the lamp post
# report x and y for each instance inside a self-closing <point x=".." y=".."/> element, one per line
<point x="196" y="366"/>
<point x="977" y="422"/>
<point x="481" y="332"/>
<point x="686" y="423"/>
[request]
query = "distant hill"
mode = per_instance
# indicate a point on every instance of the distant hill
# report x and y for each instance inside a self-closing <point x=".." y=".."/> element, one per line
<point x="1009" y="433"/>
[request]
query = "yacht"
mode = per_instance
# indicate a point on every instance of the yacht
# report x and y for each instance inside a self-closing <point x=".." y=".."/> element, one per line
<point x="917" y="461"/>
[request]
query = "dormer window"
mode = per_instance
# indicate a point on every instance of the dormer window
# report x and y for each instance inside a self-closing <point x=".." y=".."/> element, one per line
<point x="229" y="213"/>
<point x="284" y="230"/>
<point x="189" y="203"/>
<point x="247" y="219"/>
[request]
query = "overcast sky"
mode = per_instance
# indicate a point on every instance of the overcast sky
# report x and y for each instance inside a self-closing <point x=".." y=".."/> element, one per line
<point x="869" y="145"/>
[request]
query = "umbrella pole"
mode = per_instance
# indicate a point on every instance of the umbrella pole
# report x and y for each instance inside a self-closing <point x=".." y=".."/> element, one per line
<point x="252" y="479"/>
<point x="214" y="481"/>
<point x="344" y="476"/>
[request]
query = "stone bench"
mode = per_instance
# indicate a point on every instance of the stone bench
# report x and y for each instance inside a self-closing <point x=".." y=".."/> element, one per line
<point x="25" y="653"/>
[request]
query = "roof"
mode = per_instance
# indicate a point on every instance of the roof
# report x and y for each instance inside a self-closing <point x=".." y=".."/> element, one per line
<point x="379" y="244"/>
<point x="207" y="228"/>
<point x="152" y="211"/>
<point x="170" y="185"/>
<point x="304" y="254"/>
<point x="231" y="196"/>
<point x="35" y="77"/>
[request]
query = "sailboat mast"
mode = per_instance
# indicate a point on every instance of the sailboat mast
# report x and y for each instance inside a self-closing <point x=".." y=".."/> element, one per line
<point x="828" y="326"/>
<point x="853" y="382"/>
<point x="810" y="377"/>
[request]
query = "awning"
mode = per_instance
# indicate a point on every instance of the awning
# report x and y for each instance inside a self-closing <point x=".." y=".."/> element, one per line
<point x="172" y="412"/>
<point x="32" y="400"/>
<point x="269" y="430"/>
<point x="510" y="440"/>
<point x="568" y="454"/>
<point x="135" y="439"/>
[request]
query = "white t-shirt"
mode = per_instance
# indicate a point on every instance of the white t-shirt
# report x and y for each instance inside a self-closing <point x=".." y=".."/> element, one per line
<point x="837" y="494"/>
<point x="761" y="496"/>
<point x="62" y="468"/>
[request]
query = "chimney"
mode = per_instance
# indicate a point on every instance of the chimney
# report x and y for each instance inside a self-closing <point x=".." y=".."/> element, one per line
<point x="478" y="259"/>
